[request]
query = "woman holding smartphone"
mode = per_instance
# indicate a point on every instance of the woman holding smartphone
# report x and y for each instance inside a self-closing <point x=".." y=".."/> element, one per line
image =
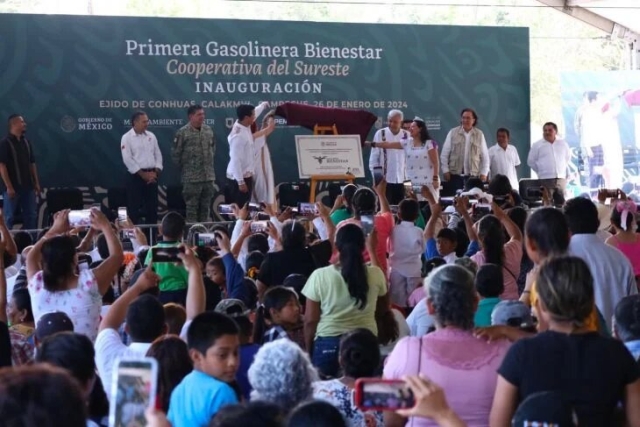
<point x="421" y="154"/>
<point x="56" y="283"/>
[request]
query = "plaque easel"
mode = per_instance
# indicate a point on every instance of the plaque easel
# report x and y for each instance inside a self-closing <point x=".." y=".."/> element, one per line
<point x="315" y="179"/>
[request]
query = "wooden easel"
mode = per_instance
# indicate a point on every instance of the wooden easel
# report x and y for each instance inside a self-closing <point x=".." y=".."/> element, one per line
<point x="315" y="179"/>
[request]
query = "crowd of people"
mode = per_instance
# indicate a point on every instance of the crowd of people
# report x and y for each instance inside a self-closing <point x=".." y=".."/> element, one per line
<point x="512" y="315"/>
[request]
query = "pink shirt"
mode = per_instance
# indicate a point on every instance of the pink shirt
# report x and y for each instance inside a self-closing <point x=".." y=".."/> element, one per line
<point x="383" y="223"/>
<point x="631" y="251"/>
<point x="416" y="296"/>
<point x="464" y="366"/>
<point x="510" y="268"/>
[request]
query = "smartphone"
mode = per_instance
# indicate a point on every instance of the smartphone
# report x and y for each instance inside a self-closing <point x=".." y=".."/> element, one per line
<point x="170" y="254"/>
<point x="122" y="215"/>
<point x="80" y="218"/>
<point x="367" y="224"/>
<point x="481" y="209"/>
<point x="134" y="389"/>
<point x="129" y="233"/>
<point x="417" y="189"/>
<point x="394" y="209"/>
<point x="383" y="395"/>
<point x="534" y="193"/>
<point x="377" y="175"/>
<point x="254" y="207"/>
<point x="206" y="239"/>
<point x="407" y="187"/>
<point x="259" y="226"/>
<point x="611" y="193"/>
<point x="225" y="209"/>
<point x="307" y="209"/>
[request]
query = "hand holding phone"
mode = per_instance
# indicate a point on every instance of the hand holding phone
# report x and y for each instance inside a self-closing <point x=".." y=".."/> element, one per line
<point x="80" y="218"/>
<point x="367" y="224"/>
<point x="307" y="209"/>
<point x="378" y="175"/>
<point x="383" y="395"/>
<point x="259" y="226"/>
<point x="225" y="209"/>
<point x="134" y="389"/>
<point x="122" y="216"/>
<point x="166" y="254"/>
<point x="205" y="239"/>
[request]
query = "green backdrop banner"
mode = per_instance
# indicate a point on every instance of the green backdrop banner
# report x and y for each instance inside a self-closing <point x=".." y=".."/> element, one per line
<point x="77" y="79"/>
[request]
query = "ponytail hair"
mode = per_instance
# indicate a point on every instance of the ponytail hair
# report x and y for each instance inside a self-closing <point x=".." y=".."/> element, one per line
<point x="350" y="244"/>
<point x="58" y="262"/>
<point x="276" y="298"/>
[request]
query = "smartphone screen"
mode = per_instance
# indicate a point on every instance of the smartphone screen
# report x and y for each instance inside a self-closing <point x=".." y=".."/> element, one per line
<point x="122" y="215"/>
<point x="134" y="389"/>
<point x="407" y="188"/>
<point x="367" y="224"/>
<point x="169" y="254"/>
<point x="129" y="234"/>
<point x="225" y="209"/>
<point x="81" y="218"/>
<point x="383" y="395"/>
<point x="259" y="226"/>
<point x="206" y="239"/>
<point x="306" y="208"/>
<point x="377" y="175"/>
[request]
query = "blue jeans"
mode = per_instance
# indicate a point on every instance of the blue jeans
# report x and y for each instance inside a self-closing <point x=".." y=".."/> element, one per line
<point x="26" y="200"/>
<point x="325" y="355"/>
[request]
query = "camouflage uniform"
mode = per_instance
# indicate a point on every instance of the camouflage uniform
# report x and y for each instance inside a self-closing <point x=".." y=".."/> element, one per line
<point x="193" y="152"/>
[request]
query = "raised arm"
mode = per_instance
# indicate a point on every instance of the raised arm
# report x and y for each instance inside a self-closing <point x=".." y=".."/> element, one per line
<point x="7" y="239"/>
<point x="512" y="229"/>
<point x="34" y="257"/>
<point x="462" y="206"/>
<point x="108" y="269"/>
<point x="381" y="190"/>
<point x="196" y="297"/>
<point x="118" y="310"/>
<point x="267" y="130"/>
<point x="436" y="212"/>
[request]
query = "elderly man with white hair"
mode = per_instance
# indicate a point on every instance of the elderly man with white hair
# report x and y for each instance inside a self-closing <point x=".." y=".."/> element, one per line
<point x="391" y="163"/>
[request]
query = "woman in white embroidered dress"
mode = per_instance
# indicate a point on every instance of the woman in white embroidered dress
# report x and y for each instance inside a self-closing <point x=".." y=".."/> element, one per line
<point x="264" y="189"/>
<point x="421" y="153"/>
<point x="56" y="283"/>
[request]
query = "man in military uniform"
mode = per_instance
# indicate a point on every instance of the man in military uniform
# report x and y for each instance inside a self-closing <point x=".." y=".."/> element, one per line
<point x="193" y="150"/>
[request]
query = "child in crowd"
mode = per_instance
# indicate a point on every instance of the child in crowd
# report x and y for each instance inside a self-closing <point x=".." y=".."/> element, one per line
<point x="418" y="294"/>
<point x="175" y="317"/>
<point x="296" y="283"/>
<point x="173" y="277"/>
<point x="281" y="309"/>
<point x="489" y="284"/>
<point x="214" y="346"/>
<point x="237" y="310"/>
<point x="445" y="243"/>
<point x="405" y="249"/>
